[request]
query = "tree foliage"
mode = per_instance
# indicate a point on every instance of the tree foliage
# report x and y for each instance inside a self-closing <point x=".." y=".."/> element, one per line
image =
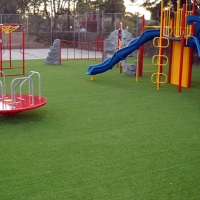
<point x="114" y="6"/>
<point x="108" y="6"/>
<point x="154" y="6"/>
<point x="82" y="6"/>
<point x="13" y="6"/>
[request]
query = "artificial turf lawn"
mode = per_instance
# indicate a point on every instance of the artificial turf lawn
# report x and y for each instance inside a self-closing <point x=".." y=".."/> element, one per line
<point x="111" y="138"/>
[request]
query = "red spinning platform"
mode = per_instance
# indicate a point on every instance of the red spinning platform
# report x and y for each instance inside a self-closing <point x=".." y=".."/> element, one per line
<point x="23" y="103"/>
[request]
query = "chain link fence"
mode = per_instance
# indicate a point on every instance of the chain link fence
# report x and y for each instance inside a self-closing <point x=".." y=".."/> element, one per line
<point x="40" y="31"/>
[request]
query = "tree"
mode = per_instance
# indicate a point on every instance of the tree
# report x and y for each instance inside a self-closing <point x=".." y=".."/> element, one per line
<point x="13" y="6"/>
<point x="85" y="6"/>
<point x="114" y="6"/>
<point x="108" y="6"/>
<point x="51" y="8"/>
<point x="154" y="6"/>
<point x="6" y="7"/>
<point x="35" y="6"/>
<point x="82" y="6"/>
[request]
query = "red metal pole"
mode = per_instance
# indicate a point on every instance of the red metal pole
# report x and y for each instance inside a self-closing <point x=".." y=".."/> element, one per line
<point x="182" y="47"/>
<point x="119" y="43"/>
<point x="10" y="55"/>
<point x="89" y="50"/>
<point x="96" y="45"/>
<point x="170" y="54"/>
<point x="191" y="49"/>
<point x="1" y="62"/>
<point x="68" y="43"/>
<point x="74" y="49"/>
<point x="170" y="61"/>
<point x="141" y="57"/>
<point x="23" y="47"/>
<point x="60" y="51"/>
<point x="102" y="50"/>
<point x="96" y="48"/>
<point x="81" y="49"/>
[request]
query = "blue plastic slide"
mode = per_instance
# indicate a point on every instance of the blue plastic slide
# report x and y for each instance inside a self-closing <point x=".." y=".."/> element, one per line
<point x="193" y="18"/>
<point x="194" y="43"/>
<point x="123" y="53"/>
<point x="194" y="40"/>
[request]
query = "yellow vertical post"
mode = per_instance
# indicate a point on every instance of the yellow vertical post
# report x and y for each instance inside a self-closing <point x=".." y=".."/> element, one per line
<point x="160" y="48"/>
<point x="92" y="77"/>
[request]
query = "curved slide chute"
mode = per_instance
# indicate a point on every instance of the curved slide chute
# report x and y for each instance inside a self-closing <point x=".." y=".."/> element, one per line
<point x="194" y="43"/>
<point x="123" y="53"/>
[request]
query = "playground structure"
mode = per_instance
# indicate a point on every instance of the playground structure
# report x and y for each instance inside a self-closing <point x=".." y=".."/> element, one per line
<point x="16" y="101"/>
<point x="7" y="45"/>
<point x="13" y="103"/>
<point x="82" y="50"/>
<point x="179" y="35"/>
<point x="176" y="32"/>
<point x="122" y="53"/>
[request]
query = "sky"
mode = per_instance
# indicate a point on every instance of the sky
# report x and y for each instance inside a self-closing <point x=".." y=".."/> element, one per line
<point x="133" y="7"/>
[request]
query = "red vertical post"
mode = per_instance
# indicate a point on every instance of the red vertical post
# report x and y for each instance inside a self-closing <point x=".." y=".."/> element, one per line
<point x="102" y="49"/>
<point x="1" y="62"/>
<point x="96" y="48"/>
<point x="82" y="47"/>
<point x="170" y="53"/>
<point x="170" y="61"/>
<point x="88" y="50"/>
<point x="191" y="49"/>
<point x="74" y="49"/>
<point x="119" y="35"/>
<point x="141" y="57"/>
<point x="190" y="67"/>
<point x="67" y="49"/>
<point x="23" y="48"/>
<point x="182" y="47"/>
<point x="9" y="47"/>
<point x="67" y="46"/>
<point x="96" y="45"/>
<point x="60" y="51"/>
<point x="119" y="43"/>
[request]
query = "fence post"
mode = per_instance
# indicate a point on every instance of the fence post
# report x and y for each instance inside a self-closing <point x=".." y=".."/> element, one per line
<point x="102" y="23"/>
<point x="74" y="27"/>
<point x="86" y="26"/>
<point x="27" y="31"/>
<point x="97" y="20"/>
<point x="51" y="31"/>
<point x="115" y="20"/>
<point x="137" y="28"/>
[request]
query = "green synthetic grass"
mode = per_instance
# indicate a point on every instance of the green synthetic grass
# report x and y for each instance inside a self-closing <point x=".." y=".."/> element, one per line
<point x="111" y="138"/>
<point x="12" y="67"/>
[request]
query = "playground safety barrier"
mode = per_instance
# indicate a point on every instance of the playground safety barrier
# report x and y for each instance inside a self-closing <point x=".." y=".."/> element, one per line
<point x="72" y="50"/>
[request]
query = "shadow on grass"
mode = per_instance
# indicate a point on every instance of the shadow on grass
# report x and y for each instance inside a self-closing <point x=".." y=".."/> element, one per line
<point x="24" y="117"/>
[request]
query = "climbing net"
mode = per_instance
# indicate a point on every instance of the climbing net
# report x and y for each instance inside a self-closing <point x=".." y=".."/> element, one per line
<point x="9" y="28"/>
